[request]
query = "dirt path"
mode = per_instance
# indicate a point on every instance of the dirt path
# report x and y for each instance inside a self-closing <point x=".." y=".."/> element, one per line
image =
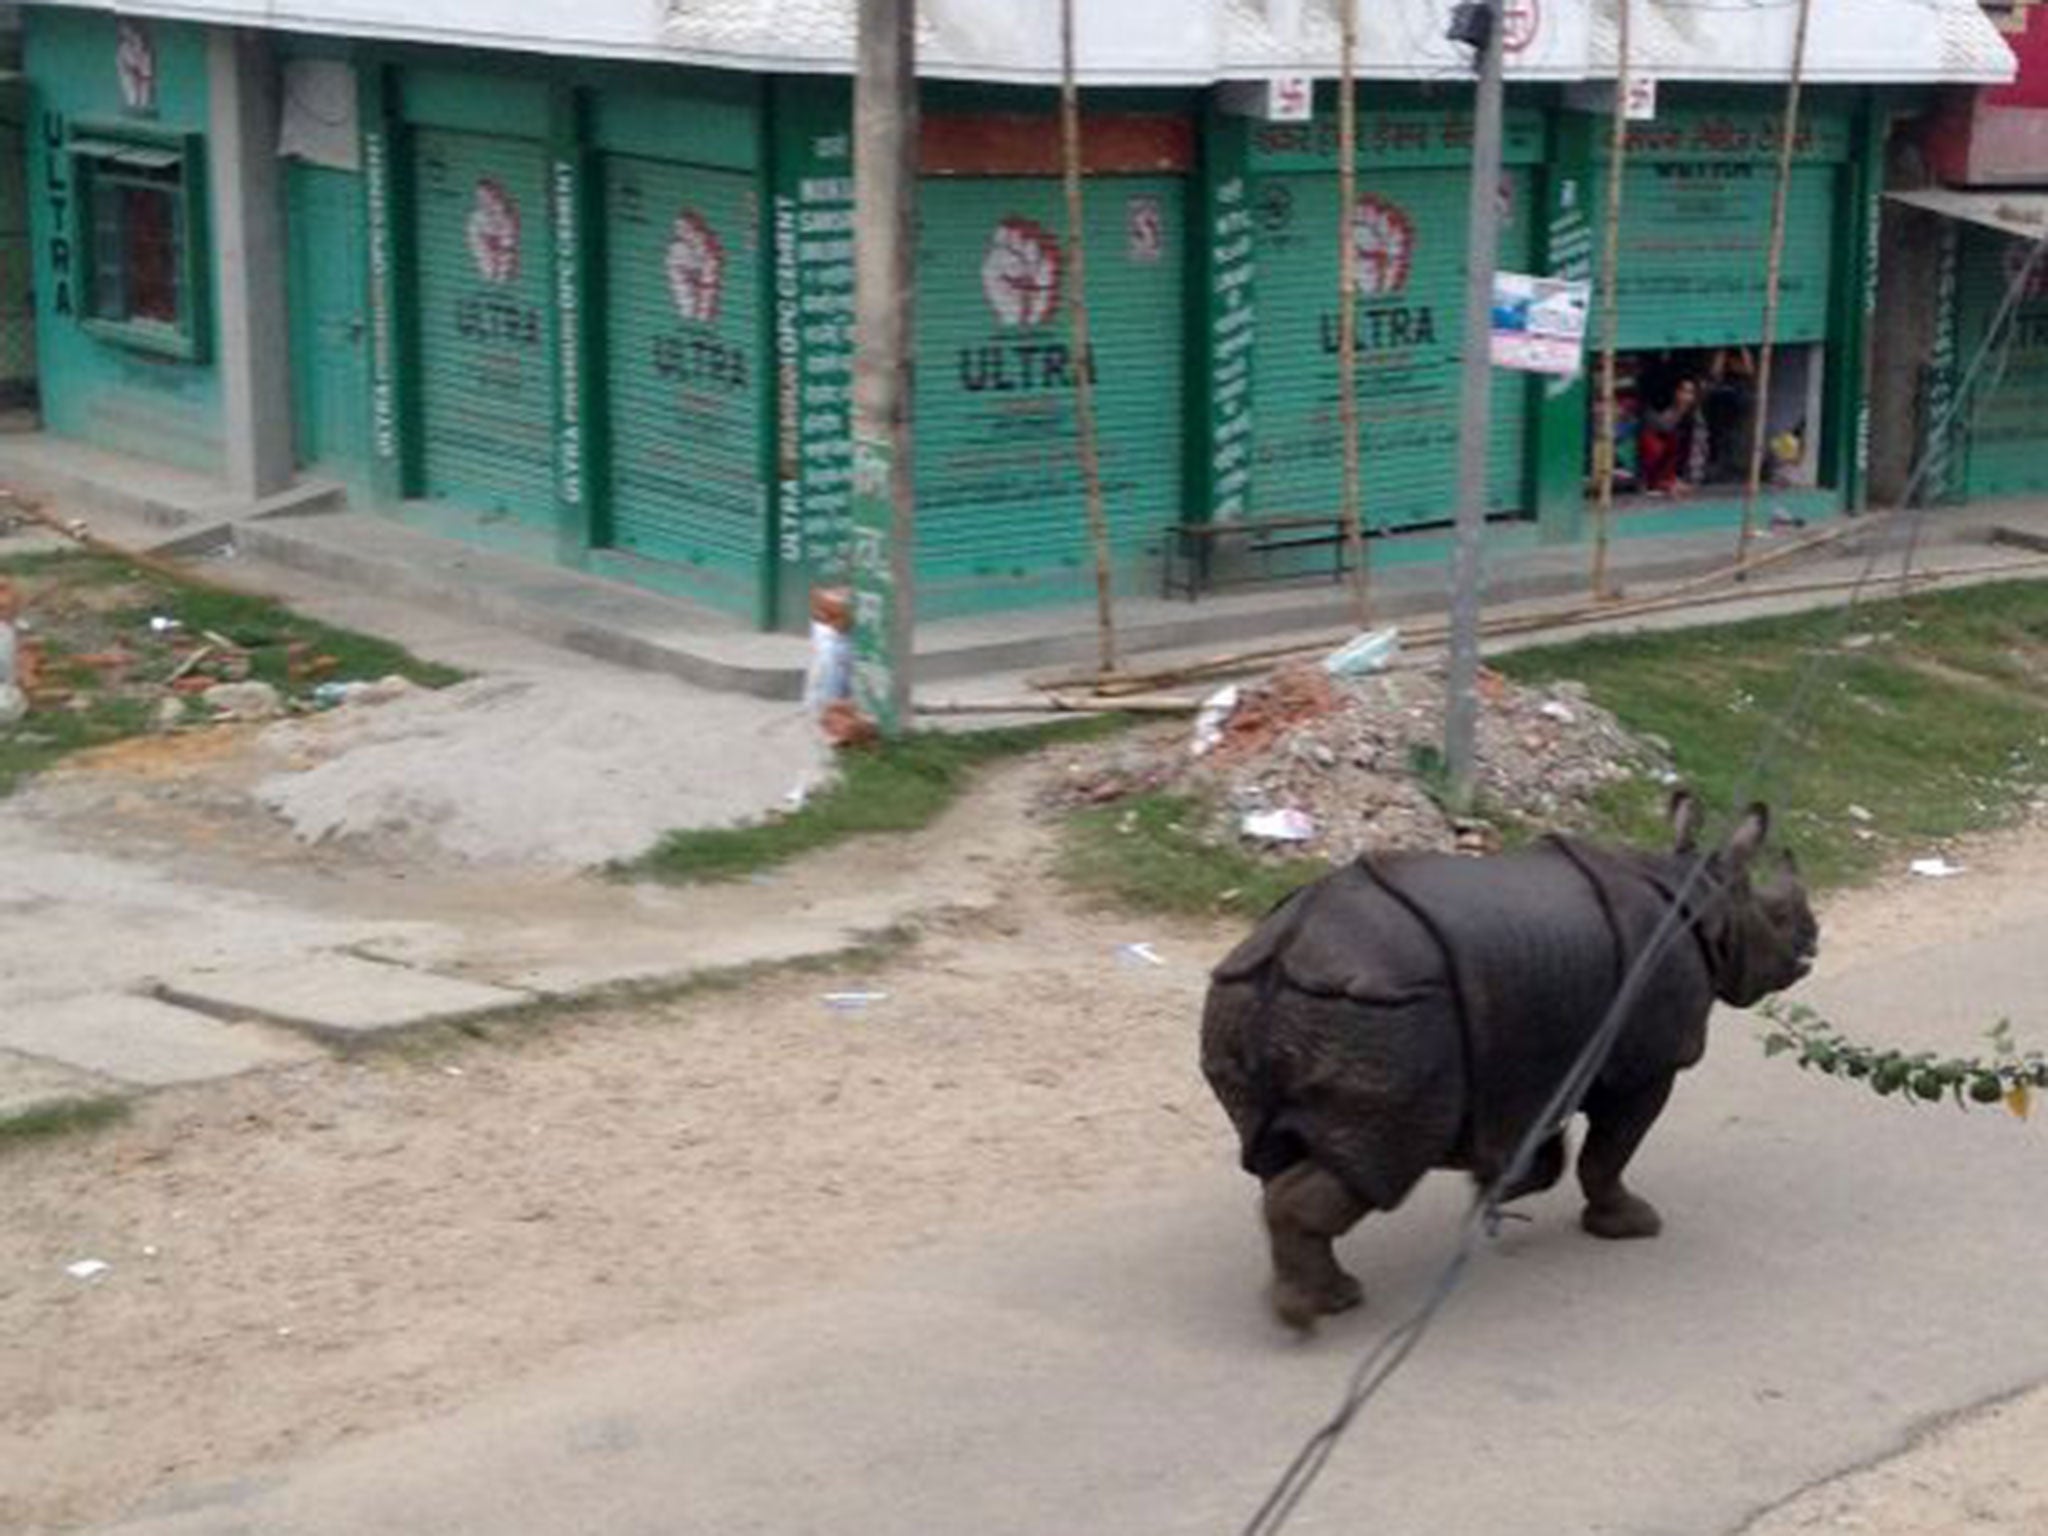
<point x="304" y="1257"/>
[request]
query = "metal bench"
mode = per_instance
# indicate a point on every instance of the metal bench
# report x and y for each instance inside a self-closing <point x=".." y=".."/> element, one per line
<point x="1192" y="550"/>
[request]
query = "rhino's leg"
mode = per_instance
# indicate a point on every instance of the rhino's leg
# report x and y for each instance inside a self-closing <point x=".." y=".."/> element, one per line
<point x="1616" y="1124"/>
<point x="1306" y="1208"/>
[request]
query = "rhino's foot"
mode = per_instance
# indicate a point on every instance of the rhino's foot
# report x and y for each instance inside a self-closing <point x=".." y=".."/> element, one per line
<point x="1624" y="1216"/>
<point x="1298" y="1305"/>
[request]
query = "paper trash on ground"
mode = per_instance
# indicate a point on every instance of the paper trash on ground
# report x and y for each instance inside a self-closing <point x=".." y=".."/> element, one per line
<point x="1368" y="652"/>
<point x="1936" y="868"/>
<point x="1209" y="720"/>
<point x="1284" y="826"/>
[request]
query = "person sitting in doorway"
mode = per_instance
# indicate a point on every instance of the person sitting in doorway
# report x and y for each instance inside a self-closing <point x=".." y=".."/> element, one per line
<point x="1667" y="439"/>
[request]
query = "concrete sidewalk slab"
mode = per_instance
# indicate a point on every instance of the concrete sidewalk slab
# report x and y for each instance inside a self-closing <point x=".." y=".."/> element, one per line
<point x="336" y="997"/>
<point x="29" y="1083"/>
<point x="141" y="1042"/>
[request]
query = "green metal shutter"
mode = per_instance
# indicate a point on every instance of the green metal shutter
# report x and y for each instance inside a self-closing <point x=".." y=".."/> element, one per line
<point x="486" y="333"/>
<point x="998" y="474"/>
<point x="681" y="339"/>
<point x="1409" y="336"/>
<point x="1695" y="244"/>
<point x="2005" y="436"/>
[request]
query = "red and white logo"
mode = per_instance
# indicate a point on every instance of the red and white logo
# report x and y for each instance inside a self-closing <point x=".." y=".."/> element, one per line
<point x="1382" y="246"/>
<point x="494" y="232"/>
<point x="695" y="264"/>
<point x="1020" y="273"/>
<point x="1144" y="229"/>
<point x="1520" y="21"/>
<point x="135" y="65"/>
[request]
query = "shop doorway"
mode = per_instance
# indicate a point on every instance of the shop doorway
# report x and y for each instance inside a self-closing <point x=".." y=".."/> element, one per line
<point x="1684" y="419"/>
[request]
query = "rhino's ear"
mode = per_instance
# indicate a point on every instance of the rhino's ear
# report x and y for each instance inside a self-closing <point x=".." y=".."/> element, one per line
<point x="1684" y="815"/>
<point x="1749" y="835"/>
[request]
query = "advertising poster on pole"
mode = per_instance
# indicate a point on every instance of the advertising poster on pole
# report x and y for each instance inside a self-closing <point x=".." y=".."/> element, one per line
<point x="1539" y="323"/>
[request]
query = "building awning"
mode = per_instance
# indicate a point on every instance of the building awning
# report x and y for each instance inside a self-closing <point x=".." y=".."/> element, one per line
<point x="2024" y="214"/>
<point x="1949" y="42"/>
<point x="1182" y="42"/>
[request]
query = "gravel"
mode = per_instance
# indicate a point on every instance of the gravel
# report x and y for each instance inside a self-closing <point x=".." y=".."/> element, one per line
<point x="556" y="769"/>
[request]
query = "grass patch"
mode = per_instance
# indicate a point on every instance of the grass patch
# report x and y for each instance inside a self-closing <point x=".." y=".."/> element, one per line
<point x="1155" y="853"/>
<point x="1930" y="713"/>
<point x="898" y="786"/>
<point x="60" y="1117"/>
<point x="93" y="615"/>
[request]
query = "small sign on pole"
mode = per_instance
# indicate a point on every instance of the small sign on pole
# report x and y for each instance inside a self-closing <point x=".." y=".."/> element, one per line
<point x="1289" y="99"/>
<point x="1539" y="323"/>
<point x="1641" y="105"/>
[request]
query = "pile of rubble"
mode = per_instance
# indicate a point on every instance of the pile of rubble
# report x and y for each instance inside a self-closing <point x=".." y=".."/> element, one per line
<point x="1303" y="761"/>
<point x="95" y="646"/>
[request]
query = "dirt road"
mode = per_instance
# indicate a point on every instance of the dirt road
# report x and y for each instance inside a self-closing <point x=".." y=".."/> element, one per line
<point x="323" y="1254"/>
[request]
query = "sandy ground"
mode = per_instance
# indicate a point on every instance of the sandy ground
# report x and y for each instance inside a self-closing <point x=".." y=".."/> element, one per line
<point x="300" y="1258"/>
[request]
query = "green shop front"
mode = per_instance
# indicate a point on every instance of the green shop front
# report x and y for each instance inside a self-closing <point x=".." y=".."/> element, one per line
<point x="569" y="318"/>
<point x="1694" y="265"/>
<point x="116" y="117"/>
<point x="2000" y="445"/>
<point x="1274" y="331"/>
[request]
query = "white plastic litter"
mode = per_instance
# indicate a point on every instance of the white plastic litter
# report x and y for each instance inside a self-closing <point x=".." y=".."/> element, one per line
<point x="1368" y="652"/>
<point x="87" y="1269"/>
<point x="13" y="702"/>
<point x="830" y="675"/>
<point x="1283" y="826"/>
<point x="1144" y="954"/>
<point x="853" y="1002"/>
<point x="1209" y="720"/>
<point x="1551" y="709"/>
<point x="1936" y="868"/>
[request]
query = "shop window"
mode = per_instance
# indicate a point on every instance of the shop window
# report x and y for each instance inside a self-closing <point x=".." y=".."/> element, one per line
<point x="140" y="233"/>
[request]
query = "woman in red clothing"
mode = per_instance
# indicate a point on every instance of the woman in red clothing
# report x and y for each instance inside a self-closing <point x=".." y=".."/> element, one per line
<point x="1666" y="439"/>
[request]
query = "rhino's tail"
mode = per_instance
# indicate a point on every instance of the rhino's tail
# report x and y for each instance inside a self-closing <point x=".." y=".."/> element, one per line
<point x="1237" y="1061"/>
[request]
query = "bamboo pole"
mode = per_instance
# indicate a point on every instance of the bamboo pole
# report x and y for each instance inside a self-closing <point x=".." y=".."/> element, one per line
<point x="1760" y="426"/>
<point x="1610" y="308"/>
<point x="1508" y="626"/>
<point x="1077" y="312"/>
<point x="1433" y="632"/>
<point x="1347" y="311"/>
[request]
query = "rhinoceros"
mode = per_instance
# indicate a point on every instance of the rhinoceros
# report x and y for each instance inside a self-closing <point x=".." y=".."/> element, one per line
<point x="1417" y="1011"/>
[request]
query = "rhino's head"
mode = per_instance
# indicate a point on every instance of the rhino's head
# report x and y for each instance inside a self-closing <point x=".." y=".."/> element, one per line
<point x="1758" y="930"/>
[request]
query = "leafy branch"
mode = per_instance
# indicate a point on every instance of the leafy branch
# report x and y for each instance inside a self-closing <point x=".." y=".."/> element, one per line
<point x="2005" y="1077"/>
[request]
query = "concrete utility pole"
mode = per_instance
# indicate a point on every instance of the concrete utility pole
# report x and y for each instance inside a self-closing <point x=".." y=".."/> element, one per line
<point x="1077" y="314"/>
<point x="1478" y="24"/>
<point x="1347" y="308"/>
<point x="885" y="250"/>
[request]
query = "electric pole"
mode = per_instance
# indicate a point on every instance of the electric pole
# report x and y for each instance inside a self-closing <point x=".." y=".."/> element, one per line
<point x="1477" y="24"/>
<point x="1347" y="308"/>
<point x="885" y="250"/>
